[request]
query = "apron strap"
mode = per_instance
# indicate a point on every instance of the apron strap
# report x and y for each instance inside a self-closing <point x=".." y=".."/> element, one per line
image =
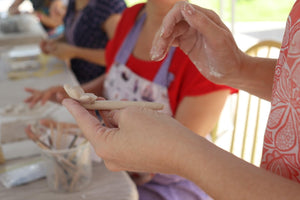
<point x="129" y="42"/>
<point x="163" y="77"/>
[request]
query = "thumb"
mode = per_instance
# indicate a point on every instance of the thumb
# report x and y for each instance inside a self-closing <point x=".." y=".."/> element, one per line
<point x="60" y="96"/>
<point x="92" y="128"/>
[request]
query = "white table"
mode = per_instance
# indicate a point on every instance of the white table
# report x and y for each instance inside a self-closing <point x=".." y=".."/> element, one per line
<point x="105" y="185"/>
<point x="52" y="72"/>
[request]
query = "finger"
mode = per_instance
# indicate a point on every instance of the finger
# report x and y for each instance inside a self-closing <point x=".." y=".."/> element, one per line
<point x="161" y="45"/>
<point x="60" y="96"/>
<point x="35" y="99"/>
<point x="51" y="46"/>
<point x="179" y="13"/>
<point x="47" y="122"/>
<point x="30" y="90"/>
<point x="28" y="100"/>
<point x="163" y="38"/>
<point x="46" y="97"/>
<point x="202" y="21"/>
<point x="171" y="19"/>
<point x="89" y="124"/>
<point x="108" y="118"/>
<point x="205" y="21"/>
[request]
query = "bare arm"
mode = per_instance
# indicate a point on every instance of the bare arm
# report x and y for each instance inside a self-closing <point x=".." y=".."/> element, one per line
<point x="143" y="140"/>
<point x="201" y="113"/>
<point x="256" y="77"/>
<point x="110" y="25"/>
<point x="56" y="14"/>
<point x="14" y="8"/>
<point x="224" y="176"/>
<point x="66" y="51"/>
<point x="48" y="21"/>
<point x="96" y="56"/>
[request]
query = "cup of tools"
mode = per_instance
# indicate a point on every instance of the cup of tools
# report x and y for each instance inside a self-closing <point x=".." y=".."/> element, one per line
<point x="66" y="154"/>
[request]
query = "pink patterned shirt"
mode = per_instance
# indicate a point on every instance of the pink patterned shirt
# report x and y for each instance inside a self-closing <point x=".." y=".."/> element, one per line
<point x="281" y="152"/>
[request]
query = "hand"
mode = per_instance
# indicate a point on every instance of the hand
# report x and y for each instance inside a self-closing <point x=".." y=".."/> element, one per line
<point x="57" y="9"/>
<point x="47" y="45"/>
<point x="134" y="139"/>
<point x="55" y="94"/>
<point x="13" y="10"/>
<point x="202" y="35"/>
<point x="61" y="50"/>
<point x="39" y="15"/>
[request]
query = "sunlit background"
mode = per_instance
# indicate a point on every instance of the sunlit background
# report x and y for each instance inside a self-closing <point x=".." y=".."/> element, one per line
<point x="245" y="10"/>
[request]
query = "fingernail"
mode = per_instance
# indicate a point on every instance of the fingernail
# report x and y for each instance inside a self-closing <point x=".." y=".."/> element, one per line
<point x="162" y="31"/>
<point x="189" y="9"/>
<point x="156" y="53"/>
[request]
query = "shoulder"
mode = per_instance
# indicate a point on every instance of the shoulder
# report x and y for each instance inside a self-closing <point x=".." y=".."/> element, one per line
<point x="133" y="11"/>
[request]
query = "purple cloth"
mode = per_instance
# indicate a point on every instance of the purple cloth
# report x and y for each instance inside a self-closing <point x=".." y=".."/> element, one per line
<point x="170" y="187"/>
<point x="83" y="29"/>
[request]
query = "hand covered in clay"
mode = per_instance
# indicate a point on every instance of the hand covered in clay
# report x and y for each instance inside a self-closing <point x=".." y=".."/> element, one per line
<point x="55" y="94"/>
<point x="135" y="138"/>
<point x="202" y="35"/>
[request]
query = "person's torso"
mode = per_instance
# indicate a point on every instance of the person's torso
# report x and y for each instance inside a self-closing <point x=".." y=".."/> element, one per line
<point x="281" y="153"/>
<point x="83" y="29"/>
<point x="183" y="78"/>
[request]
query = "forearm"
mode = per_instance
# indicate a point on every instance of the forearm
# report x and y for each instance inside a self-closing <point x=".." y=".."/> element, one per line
<point x="48" y="21"/>
<point x="201" y="113"/>
<point x="110" y="25"/>
<point x="96" y="56"/>
<point x="256" y="76"/>
<point x="224" y="176"/>
<point x="17" y="3"/>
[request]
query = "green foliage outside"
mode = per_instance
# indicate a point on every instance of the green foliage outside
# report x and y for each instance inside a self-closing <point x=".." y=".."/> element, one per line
<point x="246" y="10"/>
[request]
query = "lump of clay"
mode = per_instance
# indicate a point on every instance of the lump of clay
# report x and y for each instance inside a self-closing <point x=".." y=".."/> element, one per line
<point x="77" y="93"/>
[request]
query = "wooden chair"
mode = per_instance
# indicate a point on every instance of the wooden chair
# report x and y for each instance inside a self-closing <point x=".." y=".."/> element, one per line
<point x="250" y="115"/>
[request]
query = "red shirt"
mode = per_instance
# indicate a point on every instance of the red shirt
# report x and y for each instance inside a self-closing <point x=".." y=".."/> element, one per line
<point x="187" y="79"/>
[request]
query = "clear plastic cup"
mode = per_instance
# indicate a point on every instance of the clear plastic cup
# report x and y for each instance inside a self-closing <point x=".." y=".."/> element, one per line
<point x="69" y="169"/>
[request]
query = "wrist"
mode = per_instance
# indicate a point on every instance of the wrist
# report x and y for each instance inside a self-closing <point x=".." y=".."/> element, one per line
<point x="233" y="74"/>
<point x="186" y="154"/>
<point x="256" y="76"/>
<point x="75" y="52"/>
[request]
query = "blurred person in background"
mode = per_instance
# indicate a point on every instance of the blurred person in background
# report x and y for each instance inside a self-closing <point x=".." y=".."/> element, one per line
<point x="88" y="26"/>
<point x="49" y="12"/>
